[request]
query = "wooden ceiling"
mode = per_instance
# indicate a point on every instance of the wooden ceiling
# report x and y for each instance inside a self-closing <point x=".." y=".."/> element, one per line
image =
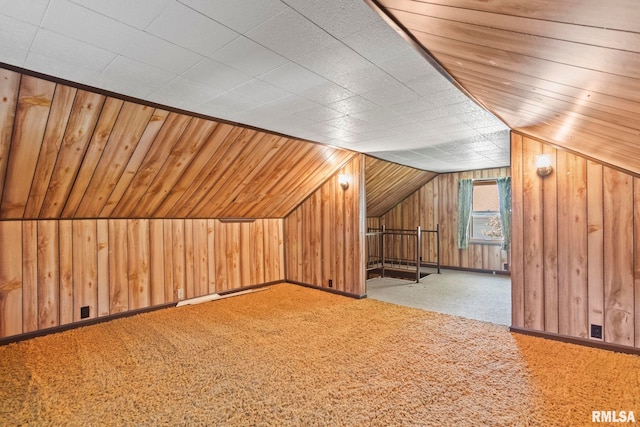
<point x="67" y="152"/>
<point x="567" y="72"/>
<point x="387" y="184"/>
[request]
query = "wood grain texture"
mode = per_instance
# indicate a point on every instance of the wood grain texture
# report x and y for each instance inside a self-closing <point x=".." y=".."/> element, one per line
<point x="29" y="276"/>
<point x="591" y="209"/>
<point x="339" y="255"/>
<point x="10" y="278"/>
<point x="48" y="274"/>
<point x="34" y="102"/>
<point x="435" y="203"/>
<point x="95" y="156"/>
<point x="548" y="73"/>
<point x="9" y="87"/>
<point x="517" y="232"/>
<point x="49" y="269"/>
<point x="619" y="321"/>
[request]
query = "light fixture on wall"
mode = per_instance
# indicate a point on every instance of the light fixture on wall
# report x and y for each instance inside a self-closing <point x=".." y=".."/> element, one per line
<point x="343" y="180"/>
<point x="543" y="165"/>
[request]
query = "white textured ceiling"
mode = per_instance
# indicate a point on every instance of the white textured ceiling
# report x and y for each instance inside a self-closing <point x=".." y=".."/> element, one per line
<point x="330" y="71"/>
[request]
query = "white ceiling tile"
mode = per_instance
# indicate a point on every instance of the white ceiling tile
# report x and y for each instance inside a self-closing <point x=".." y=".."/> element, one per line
<point x="70" y="51"/>
<point x="15" y="39"/>
<point x="183" y="93"/>
<point x="289" y="105"/>
<point x="133" y="78"/>
<point x="137" y="13"/>
<point x="378" y="42"/>
<point x="54" y="67"/>
<point x="155" y="51"/>
<point x="256" y="92"/>
<point x="192" y="30"/>
<point x="337" y="17"/>
<point x="353" y="105"/>
<point x="326" y="93"/>
<point x="275" y="34"/>
<point x="218" y="77"/>
<point x="335" y="60"/>
<point x="30" y="11"/>
<point x="319" y="113"/>
<point x="248" y="56"/>
<point x="239" y="15"/>
<point x="293" y="77"/>
<point x="366" y="78"/>
<point x="392" y="93"/>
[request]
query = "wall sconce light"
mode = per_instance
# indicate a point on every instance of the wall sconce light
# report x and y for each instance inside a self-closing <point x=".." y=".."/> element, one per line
<point x="343" y="180"/>
<point x="543" y="165"/>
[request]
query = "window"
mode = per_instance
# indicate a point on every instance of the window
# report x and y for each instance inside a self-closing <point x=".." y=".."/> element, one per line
<point x="485" y="225"/>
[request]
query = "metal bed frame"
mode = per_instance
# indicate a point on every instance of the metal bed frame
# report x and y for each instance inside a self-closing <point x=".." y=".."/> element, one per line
<point x="396" y="252"/>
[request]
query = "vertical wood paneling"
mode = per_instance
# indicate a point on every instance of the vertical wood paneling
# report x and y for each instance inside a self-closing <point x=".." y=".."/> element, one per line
<point x="550" y="245"/>
<point x="85" y="268"/>
<point x="200" y="258"/>
<point x="156" y="262"/>
<point x="572" y="254"/>
<point x="188" y="261"/>
<point x="170" y="291"/>
<point x="10" y="278"/>
<point x="118" y="269"/>
<point x="437" y="203"/>
<point x="257" y="235"/>
<point x="517" y="233"/>
<point x="595" y="243"/>
<point x="138" y="263"/>
<point x="591" y="221"/>
<point x="533" y="251"/>
<point x="619" y="319"/>
<point x="65" y="230"/>
<point x="329" y="225"/>
<point x="48" y="274"/>
<point x="104" y="305"/>
<point x="220" y="256"/>
<point x="211" y="252"/>
<point x="245" y="259"/>
<point x="29" y="276"/>
<point x="178" y="257"/>
<point x="636" y="255"/>
<point x="49" y="269"/>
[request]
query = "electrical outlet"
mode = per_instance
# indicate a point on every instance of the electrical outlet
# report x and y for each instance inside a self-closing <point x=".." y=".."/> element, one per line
<point x="596" y="331"/>
<point x="330" y="283"/>
<point x="180" y="293"/>
<point x="505" y="266"/>
<point x="84" y="312"/>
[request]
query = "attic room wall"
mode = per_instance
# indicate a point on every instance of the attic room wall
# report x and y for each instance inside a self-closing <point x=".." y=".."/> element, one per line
<point x="324" y="236"/>
<point x="576" y="245"/>
<point x="437" y="203"/>
<point x="51" y="268"/>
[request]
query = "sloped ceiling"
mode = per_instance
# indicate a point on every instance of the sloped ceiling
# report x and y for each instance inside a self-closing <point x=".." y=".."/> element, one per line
<point x="328" y="71"/>
<point x="71" y="153"/>
<point x="388" y="183"/>
<point x="564" y="71"/>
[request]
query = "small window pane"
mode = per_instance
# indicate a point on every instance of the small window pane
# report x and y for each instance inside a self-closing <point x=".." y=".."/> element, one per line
<point x="485" y="224"/>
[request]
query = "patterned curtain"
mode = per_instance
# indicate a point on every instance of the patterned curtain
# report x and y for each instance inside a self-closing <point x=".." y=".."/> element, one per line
<point x="465" y="198"/>
<point x="504" y="193"/>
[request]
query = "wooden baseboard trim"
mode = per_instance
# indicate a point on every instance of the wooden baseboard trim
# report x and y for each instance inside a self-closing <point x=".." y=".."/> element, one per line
<point x="578" y="341"/>
<point x="80" y="324"/>
<point x="94" y="321"/>
<point x="330" y="290"/>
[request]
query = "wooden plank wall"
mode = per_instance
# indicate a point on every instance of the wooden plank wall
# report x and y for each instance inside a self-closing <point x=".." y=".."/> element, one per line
<point x="576" y="245"/>
<point x="437" y="203"/>
<point x="51" y="268"/>
<point x="324" y="236"/>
